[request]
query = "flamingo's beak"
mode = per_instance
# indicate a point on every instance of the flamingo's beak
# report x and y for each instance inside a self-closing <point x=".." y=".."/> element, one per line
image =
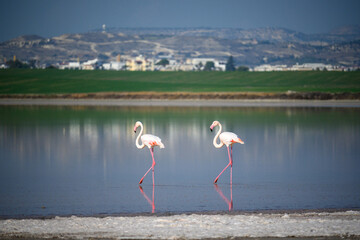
<point x="211" y="128"/>
<point x="135" y="129"/>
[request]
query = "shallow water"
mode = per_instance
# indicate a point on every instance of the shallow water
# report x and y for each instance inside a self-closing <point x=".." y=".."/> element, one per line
<point x="83" y="160"/>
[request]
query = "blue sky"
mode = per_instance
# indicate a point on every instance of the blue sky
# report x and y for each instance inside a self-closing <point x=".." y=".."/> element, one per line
<point x="49" y="18"/>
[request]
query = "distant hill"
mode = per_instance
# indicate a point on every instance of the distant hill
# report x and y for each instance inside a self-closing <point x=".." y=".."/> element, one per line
<point x="249" y="47"/>
<point x="348" y="30"/>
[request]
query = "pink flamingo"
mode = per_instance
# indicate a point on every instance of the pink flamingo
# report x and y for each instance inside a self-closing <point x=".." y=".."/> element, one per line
<point x="150" y="141"/>
<point x="226" y="138"/>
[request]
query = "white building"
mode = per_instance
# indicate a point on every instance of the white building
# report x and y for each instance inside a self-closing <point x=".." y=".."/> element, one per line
<point x="90" y="65"/>
<point x="311" y="67"/>
<point x="196" y="62"/>
<point x="74" y="65"/>
<point x="140" y="63"/>
<point x="3" y="66"/>
<point x="270" y="68"/>
<point x="297" y="67"/>
<point x="70" y="65"/>
<point x="220" y="65"/>
<point x="114" y="66"/>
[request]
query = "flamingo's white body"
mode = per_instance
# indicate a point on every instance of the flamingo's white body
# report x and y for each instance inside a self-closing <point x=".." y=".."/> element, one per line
<point x="227" y="139"/>
<point x="148" y="140"/>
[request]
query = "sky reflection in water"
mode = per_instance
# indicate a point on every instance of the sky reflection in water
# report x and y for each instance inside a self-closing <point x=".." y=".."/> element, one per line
<point x="83" y="160"/>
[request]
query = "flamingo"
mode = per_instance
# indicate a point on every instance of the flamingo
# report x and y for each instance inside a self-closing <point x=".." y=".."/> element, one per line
<point x="150" y="141"/>
<point x="226" y="138"/>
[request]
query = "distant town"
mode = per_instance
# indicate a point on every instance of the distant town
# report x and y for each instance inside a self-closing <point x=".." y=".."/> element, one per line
<point x="187" y="49"/>
<point x="167" y="63"/>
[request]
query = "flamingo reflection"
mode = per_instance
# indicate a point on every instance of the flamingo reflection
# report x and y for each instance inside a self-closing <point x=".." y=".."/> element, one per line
<point x="151" y="202"/>
<point x="228" y="202"/>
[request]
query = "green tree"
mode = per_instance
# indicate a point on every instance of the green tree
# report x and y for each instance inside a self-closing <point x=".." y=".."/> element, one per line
<point x="199" y="66"/>
<point x="16" y="64"/>
<point x="243" y="68"/>
<point x="51" y="67"/>
<point x="32" y="63"/>
<point x="209" y="66"/>
<point x="163" y="62"/>
<point x="230" y="64"/>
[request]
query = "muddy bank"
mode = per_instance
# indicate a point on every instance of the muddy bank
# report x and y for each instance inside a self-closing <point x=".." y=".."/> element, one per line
<point x="193" y="96"/>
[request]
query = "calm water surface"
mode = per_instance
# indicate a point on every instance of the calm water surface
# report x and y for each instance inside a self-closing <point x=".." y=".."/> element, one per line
<point x="83" y="160"/>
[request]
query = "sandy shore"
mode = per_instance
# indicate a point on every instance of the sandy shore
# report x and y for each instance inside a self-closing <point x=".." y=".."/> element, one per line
<point x="311" y="225"/>
<point x="181" y="103"/>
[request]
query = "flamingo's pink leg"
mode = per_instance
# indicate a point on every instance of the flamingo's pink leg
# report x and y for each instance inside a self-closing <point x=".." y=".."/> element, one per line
<point x="152" y="155"/>
<point x="141" y="180"/>
<point x="231" y="156"/>
<point x="231" y="199"/>
<point x="153" y="193"/>
<point x="231" y="195"/>
<point x="152" y="166"/>
<point x="230" y="163"/>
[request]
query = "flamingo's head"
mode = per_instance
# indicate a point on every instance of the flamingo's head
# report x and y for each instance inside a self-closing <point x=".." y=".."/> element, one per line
<point x="137" y="124"/>
<point x="215" y="123"/>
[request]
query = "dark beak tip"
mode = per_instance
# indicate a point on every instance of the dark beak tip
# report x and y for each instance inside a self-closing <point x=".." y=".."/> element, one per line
<point x="134" y="131"/>
<point x="210" y="129"/>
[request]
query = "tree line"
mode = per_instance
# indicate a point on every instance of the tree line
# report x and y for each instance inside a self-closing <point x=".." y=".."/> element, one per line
<point x="230" y="66"/>
<point x="209" y="66"/>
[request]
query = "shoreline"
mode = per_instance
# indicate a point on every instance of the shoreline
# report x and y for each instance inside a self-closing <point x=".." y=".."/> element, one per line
<point x="179" y="102"/>
<point x="321" y="211"/>
<point x="312" y="225"/>
<point x="151" y="95"/>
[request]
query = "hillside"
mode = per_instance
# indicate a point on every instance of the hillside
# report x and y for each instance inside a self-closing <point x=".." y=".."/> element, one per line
<point x="249" y="47"/>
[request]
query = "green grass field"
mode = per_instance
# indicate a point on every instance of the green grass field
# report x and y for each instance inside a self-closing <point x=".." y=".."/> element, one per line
<point x="16" y="81"/>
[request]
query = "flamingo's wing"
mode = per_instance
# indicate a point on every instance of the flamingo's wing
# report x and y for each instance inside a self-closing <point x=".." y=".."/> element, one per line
<point x="151" y="141"/>
<point x="229" y="138"/>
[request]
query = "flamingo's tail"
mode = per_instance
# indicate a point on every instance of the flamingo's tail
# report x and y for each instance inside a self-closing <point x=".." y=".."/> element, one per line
<point x="161" y="145"/>
<point x="238" y="140"/>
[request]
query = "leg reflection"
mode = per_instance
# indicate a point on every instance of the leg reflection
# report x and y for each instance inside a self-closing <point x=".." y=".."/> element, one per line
<point x="151" y="202"/>
<point x="228" y="202"/>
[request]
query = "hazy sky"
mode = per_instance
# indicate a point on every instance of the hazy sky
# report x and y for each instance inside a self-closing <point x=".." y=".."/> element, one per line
<point x="49" y="18"/>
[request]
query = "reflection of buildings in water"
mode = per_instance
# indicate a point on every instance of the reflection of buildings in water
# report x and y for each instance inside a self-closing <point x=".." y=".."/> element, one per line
<point x="87" y="139"/>
<point x="81" y="139"/>
<point x="77" y="140"/>
<point x="91" y="135"/>
<point x="74" y="131"/>
<point x="193" y="134"/>
<point x="278" y="142"/>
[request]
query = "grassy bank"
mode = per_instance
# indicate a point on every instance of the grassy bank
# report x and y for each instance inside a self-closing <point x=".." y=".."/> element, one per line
<point x="72" y="81"/>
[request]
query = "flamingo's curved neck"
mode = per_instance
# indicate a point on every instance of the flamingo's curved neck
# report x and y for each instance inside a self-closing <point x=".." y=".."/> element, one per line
<point x="138" y="137"/>
<point x="218" y="145"/>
